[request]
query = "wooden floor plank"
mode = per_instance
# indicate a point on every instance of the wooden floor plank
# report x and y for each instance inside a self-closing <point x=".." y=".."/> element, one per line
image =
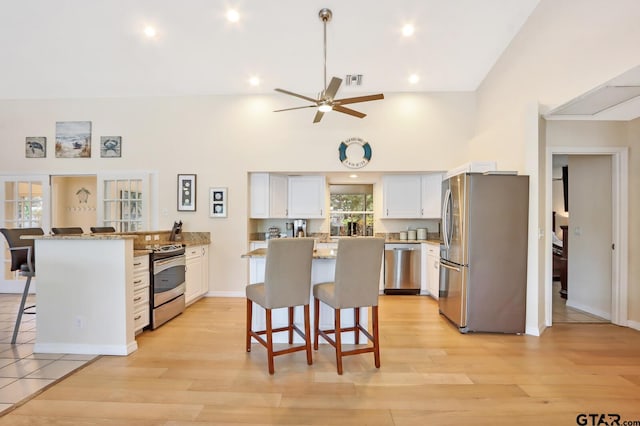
<point x="194" y="371"/>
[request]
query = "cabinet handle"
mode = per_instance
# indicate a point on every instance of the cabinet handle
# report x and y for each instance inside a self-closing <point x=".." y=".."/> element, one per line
<point x="137" y="264"/>
<point x="137" y="298"/>
<point x="137" y="317"/>
<point x="137" y="281"/>
<point x="387" y="212"/>
<point x="421" y="212"/>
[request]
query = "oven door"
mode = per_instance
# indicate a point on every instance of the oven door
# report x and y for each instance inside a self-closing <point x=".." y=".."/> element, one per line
<point x="168" y="279"/>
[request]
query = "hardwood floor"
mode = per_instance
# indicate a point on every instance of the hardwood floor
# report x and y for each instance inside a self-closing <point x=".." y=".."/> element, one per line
<point x="194" y="370"/>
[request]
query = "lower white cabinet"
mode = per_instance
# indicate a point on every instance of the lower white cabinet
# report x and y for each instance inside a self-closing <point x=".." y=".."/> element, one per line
<point x="433" y="269"/>
<point x="140" y="292"/>
<point x="196" y="273"/>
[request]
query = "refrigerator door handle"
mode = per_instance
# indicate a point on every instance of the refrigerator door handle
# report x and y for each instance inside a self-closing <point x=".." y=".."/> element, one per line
<point x="445" y="264"/>
<point x="445" y="218"/>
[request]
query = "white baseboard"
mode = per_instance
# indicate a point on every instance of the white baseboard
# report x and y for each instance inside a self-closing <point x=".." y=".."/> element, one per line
<point x="589" y="309"/>
<point x="633" y="324"/>
<point x="85" y="349"/>
<point x="226" y="294"/>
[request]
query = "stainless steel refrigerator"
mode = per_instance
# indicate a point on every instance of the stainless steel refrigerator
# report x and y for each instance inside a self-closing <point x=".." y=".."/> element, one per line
<point x="483" y="260"/>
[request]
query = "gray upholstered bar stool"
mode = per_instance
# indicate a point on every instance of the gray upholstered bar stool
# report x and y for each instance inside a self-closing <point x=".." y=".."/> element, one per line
<point x="356" y="285"/>
<point x="287" y="284"/>
<point x="23" y="260"/>
<point x="71" y="230"/>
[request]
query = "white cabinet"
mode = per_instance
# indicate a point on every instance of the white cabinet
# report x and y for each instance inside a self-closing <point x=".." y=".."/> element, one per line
<point x="431" y="186"/>
<point x="433" y="269"/>
<point x="268" y="195"/>
<point x="196" y="272"/>
<point x="307" y="197"/>
<point x="140" y="292"/>
<point x="401" y="196"/>
<point x="411" y="196"/>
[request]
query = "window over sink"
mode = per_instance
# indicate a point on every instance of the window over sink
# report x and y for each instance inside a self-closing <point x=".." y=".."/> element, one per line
<point x="351" y="210"/>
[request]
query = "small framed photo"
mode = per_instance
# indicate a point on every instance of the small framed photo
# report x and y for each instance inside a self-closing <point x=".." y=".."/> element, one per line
<point x="35" y="147"/>
<point x="187" y="193"/>
<point x="110" y="146"/>
<point x="217" y="202"/>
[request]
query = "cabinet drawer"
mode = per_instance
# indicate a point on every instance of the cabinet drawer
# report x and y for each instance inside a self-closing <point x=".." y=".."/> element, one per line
<point x="141" y="318"/>
<point x="140" y="280"/>
<point x="194" y="251"/>
<point x="433" y="250"/>
<point x="140" y="263"/>
<point x="140" y="298"/>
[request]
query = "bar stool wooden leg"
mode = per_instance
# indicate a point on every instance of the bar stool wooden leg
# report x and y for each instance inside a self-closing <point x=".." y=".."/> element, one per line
<point x="269" y="341"/>
<point x="356" y="324"/>
<point x="316" y="322"/>
<point x="376" y="337"/>
<point x="307" y="333"/>
<point x="290" y="325"/>
<point x="249" y="319"/>
<point x="338" y="339"/>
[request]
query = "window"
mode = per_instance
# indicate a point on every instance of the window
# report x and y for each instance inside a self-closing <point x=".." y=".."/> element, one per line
<point x="351" y="210"/>
<point x="124" y="202"/>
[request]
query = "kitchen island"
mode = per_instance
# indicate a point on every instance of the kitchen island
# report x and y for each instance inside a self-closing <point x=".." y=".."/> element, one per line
<point x="85" y="294"/>
<point x="322" y="270"/>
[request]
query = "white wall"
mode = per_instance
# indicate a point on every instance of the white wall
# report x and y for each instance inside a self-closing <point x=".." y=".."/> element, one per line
<point x="222" y="138"/>
<point x="566" y="48"/>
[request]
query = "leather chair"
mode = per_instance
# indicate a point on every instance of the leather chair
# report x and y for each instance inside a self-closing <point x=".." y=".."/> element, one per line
<point x="73" y="230"/>
<point x="356" y="284"/>
<point x="102" y="229"/>
<point x="287" y="284"/>
<point x="23" y="260"/>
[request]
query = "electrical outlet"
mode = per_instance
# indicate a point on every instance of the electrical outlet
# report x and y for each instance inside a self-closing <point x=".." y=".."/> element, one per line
<point x="79" y="322"/>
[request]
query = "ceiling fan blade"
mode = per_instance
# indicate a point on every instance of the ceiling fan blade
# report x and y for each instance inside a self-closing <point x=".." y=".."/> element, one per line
<point x="306" y="98"/>
<point x="318" y="116"/>
<point x="290" y="109"/>
<point x="349" y="111"/>
<point x="358" y="99"/>
<point x="333" y="87"/>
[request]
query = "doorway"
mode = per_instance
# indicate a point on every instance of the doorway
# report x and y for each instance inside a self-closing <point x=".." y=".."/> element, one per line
<point x="617" y="158"/>
<point x="74" y="201"/>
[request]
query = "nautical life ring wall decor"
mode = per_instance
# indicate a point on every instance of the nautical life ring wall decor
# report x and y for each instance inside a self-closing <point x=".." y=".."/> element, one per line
<point x="355" y="153"/>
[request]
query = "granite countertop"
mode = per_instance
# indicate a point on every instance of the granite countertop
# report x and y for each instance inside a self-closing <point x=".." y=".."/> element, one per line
<point x="85" y="237"/>
<point x="317" y="254"/>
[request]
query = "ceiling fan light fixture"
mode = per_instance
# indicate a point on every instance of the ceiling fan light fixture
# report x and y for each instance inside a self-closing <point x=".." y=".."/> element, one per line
<point x="325" y="107"/>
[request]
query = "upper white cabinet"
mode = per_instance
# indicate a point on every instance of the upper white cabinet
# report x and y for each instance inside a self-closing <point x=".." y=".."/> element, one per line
<point x="431" y="194"/>
<point x="307" y="197"/>
<point x="411" y="196"/>
<point x="268" y="195"/>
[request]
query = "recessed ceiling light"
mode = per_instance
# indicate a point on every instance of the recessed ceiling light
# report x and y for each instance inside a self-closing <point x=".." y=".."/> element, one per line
<point x="414" y="78"/>
<point x="233" y="15"/>
<point x="149" y="31"/>
<point x="408" y="30"/>
<point x="353" y="176"/>
<point x="254" y="81"/>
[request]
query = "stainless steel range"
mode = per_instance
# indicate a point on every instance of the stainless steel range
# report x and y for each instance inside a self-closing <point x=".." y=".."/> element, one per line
<point x="167" y="288"/>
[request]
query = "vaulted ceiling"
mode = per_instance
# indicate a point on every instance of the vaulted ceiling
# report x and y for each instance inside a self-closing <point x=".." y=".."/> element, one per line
<point x="80" y="48"/>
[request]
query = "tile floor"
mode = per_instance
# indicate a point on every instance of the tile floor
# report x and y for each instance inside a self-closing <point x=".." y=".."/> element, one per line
<point x="563" y="313"/>
<point x="22" y="372"/>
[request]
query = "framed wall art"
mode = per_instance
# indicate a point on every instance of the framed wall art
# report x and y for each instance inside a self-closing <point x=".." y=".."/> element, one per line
<point x="187" y="193"/>
<point x="35" y="147"/>
<point x="110" y="146"/>
<point x="73" y="139"/>
<point x="217" y="202"/>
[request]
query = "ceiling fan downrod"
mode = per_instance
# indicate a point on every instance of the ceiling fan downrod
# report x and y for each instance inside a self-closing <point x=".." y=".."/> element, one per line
<point x="325" y="16"/>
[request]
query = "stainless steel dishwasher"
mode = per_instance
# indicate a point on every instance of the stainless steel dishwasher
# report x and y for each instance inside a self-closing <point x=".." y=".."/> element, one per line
<point x="402" y="268"/>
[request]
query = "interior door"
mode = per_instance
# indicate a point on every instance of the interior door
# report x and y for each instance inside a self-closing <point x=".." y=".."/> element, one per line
<point x="123" y="201"/>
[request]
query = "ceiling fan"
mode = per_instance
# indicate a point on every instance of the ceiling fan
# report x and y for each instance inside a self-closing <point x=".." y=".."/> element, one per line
<point x="326" y="101"/>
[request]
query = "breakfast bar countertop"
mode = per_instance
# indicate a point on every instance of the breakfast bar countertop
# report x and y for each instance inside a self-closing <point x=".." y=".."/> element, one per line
<point x="317" y="254"/>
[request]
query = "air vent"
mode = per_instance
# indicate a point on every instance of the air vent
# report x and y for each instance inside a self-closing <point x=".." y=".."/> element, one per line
<point x="353" y="80"/>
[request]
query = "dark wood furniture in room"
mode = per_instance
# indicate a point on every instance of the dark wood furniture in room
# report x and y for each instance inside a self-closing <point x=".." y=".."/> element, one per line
<point x="560" y="260"/>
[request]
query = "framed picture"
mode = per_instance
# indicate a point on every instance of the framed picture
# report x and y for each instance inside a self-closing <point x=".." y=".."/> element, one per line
<point x="73" y="139"/>
<point x="217" y="202"/>
<point x="187" y="193"/>
<point x="110" y="146"/>
<point x="35" y="147"/>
